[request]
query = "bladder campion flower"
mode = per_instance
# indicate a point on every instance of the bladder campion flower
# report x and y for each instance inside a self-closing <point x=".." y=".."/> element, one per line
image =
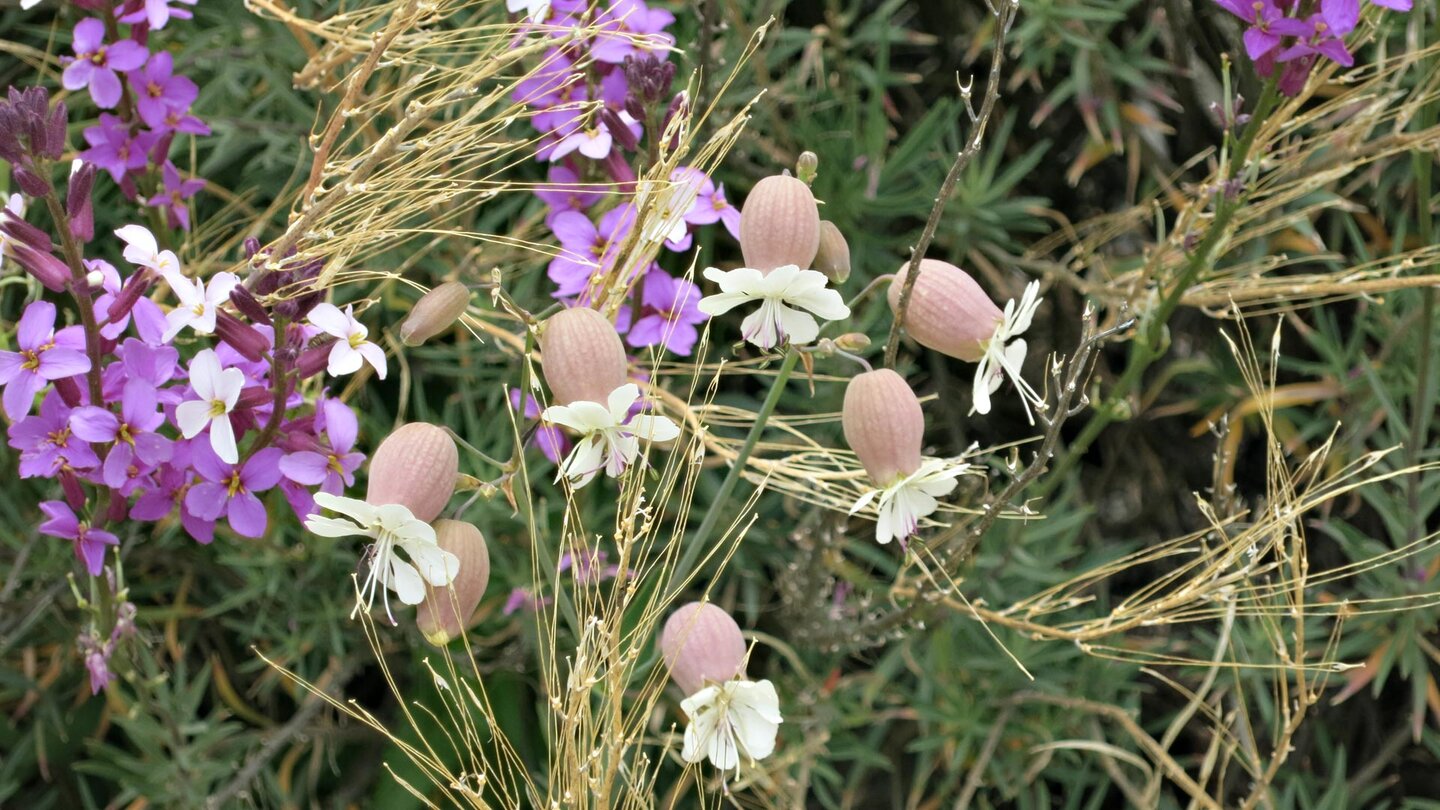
<point x="583" y="358"/>
<point x="416" y="467"/>
<point x="730" y="716"/>
<point x="609" y="435"/>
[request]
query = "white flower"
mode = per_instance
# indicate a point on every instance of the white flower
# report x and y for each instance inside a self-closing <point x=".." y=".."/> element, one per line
<point x="783" y="288"/>
<point x="536" y="10"/>
<point x="1000" y="360"/>
<point x="27" y="4"/>
<point x="667" y="221"/>
<point x="218" y="391"/>
<point x="199" y="302"/>
<point x="904" y="502"/>
<point x="351" y="347"/>
<point x="730" y="719"/>
<point x="610" y="437"/>
<point x="392" y="526"/>
<point x="593" y="141"/>
<point x="142" y="250"/>
<point x="16" y="206"/>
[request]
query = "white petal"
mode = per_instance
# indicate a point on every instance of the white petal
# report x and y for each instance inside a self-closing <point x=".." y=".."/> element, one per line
<point x="755" y="716"/>
<point x="620" y="400"/>
<point x="981" y="390"/>
<point x="204" y="373"/>
<point x="582" y="416"/>
<point x="140" y="244"/>
<point x="745" y="280"/>
<point x="762" y="327"/>
<point x="435" y="564"/>
<point x="584" y="461"/>
<point x="332" y="527"/>
<point x="228" y="387"/>
<point x="362" y="512"/>
<point x="863" y="501"/>
<point x="217" y="292"/>
<point x="800" y="328"/>
<point x="329" y="319"/>
<point x="405" y="581"/>
<point x="343" y="359"/>
<point x="654" y="428"/>
<point x="222" y="440"/>
<point x="722" y="303"/>
<point x="192" y="416"/>
<point x="375" y="356"/>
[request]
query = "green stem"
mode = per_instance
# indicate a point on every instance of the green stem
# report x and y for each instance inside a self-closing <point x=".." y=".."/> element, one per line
<point x="732" y="478"/>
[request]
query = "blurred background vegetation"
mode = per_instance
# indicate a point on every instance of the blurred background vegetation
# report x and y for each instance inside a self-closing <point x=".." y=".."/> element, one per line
<point x="1105" y="104"/>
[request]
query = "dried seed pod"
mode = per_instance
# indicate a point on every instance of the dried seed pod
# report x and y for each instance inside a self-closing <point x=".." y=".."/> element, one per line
<point x="948" y="311"/>
<point x="415" y="467"/>
<point x="833" y="257"/>
<point x="702" y="643"/>
<point x="435" y="312"/>
<point x="883" y="425"/>
<point x="583" y="356"/>
<point x="446" y="612"/>
<point x="779" y="225"/>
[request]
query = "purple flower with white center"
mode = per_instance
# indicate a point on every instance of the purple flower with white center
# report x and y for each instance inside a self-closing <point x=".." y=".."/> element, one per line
<point x="333" y="469"/>
<point x="669" y="314"/>
<point x="44" y="355"/>
<point x="552" y="441"/>
<point x="158" y="12"/>
<point x="351" y="347"/>
<point x="173" y="196"/>
<point x="132" y="432"/>
<point x="630" y="28"/>
<point x="95" y="63"/>
<point x="217" y="390"/>
<point x="158" y="90"/>
<point x="114" y="149"/>
<point x="228" y="491"/>
<point x="46" y="443"/>
<point x="89" y="543"/>
<point x="586" y="249"/>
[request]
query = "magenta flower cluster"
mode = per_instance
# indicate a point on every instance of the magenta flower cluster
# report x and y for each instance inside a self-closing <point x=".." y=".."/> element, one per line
<point x="1292" y="36"/>
<point x="151" y="103"/>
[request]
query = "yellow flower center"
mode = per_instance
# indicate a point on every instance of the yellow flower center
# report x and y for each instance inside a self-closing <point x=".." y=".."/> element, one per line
<point x="217" y="408"/>
<point x="31" y="360"/>
<point x="355" y="340"/>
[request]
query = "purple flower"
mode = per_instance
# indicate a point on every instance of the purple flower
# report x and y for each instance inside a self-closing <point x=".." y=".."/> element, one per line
<point x="1323" y="34"/>
<point x="132" y="432"/>
<point x="669" y="314"/>
<point x="173" y="198"/>
<point x="331" y="469"/>
<point x="586" y="132"/>
<point x="157" y="13"/>
<point x="46" y="443"/>
<point x="585" y="248"/>
<point x="114" y="149"/>
<point x="171" y="483"/>
<point x="566" y="193"/>
<point x="158" y="91"/>
<point x="551" y="440"/>
<point x="1261" y="15"/>
<point x="89" y="543"/>
<point x="44" y="355"/>
<point x="97" y="661"/>
<point x="95" y="63"/>
<point x="551" y="82"/>
<point x="229" y="491"/>
<point x="622" y="23"/>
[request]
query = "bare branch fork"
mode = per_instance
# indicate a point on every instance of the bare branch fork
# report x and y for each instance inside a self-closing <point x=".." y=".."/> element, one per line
<point x="1004" y="12"/>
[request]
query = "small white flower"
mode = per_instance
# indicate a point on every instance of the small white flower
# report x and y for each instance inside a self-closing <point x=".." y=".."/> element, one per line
<point x="536" y="10"/>
<point x="142" y="250"/>
<point x="218" y="391"/>
<point x="15" y="205"/>
<point x="351" y="346"/>
<point x="730" y="719"/>
<point x="391" y="526"/>
<point x="610" y="437"/>
<point x="199" y="302"/>
<point x="1000" y="360"/>
<point x="905" y="502"/>
<point x="776" y="321"/>
<point x="593" y="141"/>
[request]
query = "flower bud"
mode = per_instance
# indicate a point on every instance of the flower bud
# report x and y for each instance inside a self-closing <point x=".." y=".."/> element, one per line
<point x="48" y="270"/>
<point x="582" y="356"/>
<point x="255" y="396"/>
<point x="415" y="467"/>
<point x="70" y="392"/>
<point x="435" y="312"/>
<point x="853" y="342"/>
<point x="314" y="359"/>
<point x="78" y="202"/>
<point x="241" y="337"/>
<point x="446" y="612"/>
<point x="619" y="130"/>
<point x="779" y="225"/>
<point x="947" y="312"/>
<point x="248" y="305"/>
<point x="833" y="257"/>
<point x="883" y="425"/>
<point x="701" y="643"/>
<point x="807" y="167"/>
<point x="30" y="182"/>
<point x="74" y="493"/>
<point x="135" y="286"/>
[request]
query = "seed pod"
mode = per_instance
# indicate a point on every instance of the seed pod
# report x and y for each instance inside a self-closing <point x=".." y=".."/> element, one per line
<point x="415" y="467"/>
<point x="779" y="225"/>
<point x="883" y="425"/>
<point x="833" y="257"/>
<point x="446" y="612"/>
<point x="948" y="312"/>
<point x="435" y="312"/>
<point x="582" y="355"/>
<point x="702" y="643"/>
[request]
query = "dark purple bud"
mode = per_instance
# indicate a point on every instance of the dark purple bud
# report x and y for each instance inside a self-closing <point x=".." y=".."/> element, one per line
<point x="619" y="170"/>
<point x="635" y="106"/>
<point x="30" y="182"/>
<point x="21" y="231"/>
<point x="267" y="282"/>
<point x="619" y="130"/>
<point x="253" y="397"/>
<point x="252" y="246"/>
<point x="70" y="392"/>
<point x="46" y="269"/>
<point x="54" y="133"/>
<point x="248" y="305"/>
<point x="74" y="493"/>
<point x="314" y="359"/>
<point x="135" y="286"/>
<point x="307" y="302"/>
<point x="242" y="337"/>
<point x="119" y="508"/>
<point x="78" y="204"/>
<point x="244" y="419"/>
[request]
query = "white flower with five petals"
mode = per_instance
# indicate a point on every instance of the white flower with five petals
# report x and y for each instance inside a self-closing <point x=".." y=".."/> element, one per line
<point x="218" y="390"/>
<point x="730" y="720"/>
<point x="351" y="346"/>
<point x="392" y="527"/>
<point x="609" y="435"/>
<point x="903" y="503"/>
<point x="199" y="302"/>
<point x="787" y="296"/>
<point x="142" y="250"/>
<point x="1001" y="360"/>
